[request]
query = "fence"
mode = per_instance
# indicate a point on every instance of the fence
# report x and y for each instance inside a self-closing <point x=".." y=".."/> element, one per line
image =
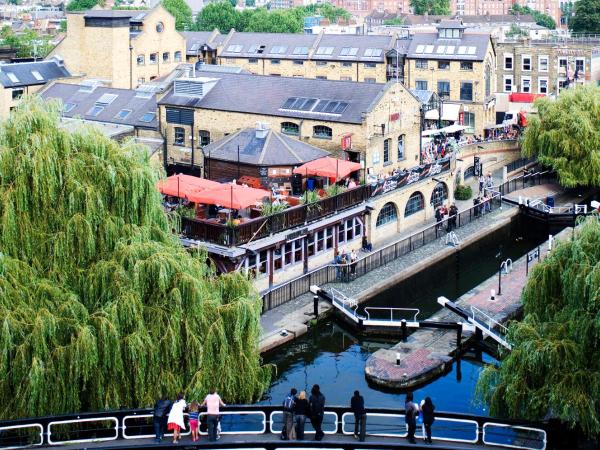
<point x="285" y="292"/>
<point x="525" y="181"/>
<point x="521" y="162"/>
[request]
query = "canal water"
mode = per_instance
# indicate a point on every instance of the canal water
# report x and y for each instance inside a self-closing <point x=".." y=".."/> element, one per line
<point x="334" y="357"/>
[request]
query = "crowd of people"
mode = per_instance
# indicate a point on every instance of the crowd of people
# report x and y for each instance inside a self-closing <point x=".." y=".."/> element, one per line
<point x="296" y="408"/>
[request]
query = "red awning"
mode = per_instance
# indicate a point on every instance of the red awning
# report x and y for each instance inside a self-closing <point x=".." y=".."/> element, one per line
<point x="523" y="97"/>
<point x="328" y="167"/>
<point x="183" y="186"/>
<point x="230" y="196"/>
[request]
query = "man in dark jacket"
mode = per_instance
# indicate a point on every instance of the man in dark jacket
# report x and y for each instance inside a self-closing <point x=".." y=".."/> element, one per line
<point x="316" y="404"/>
<point x="411" y="411"/>
<point x="288" y="414"/>
<point x="161" y="413"/>
<point x="357" y="404"/>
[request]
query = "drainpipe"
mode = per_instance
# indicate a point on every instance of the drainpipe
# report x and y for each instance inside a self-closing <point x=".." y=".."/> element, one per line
<point x="130" y="67"/>
<point x="192" y="139"/>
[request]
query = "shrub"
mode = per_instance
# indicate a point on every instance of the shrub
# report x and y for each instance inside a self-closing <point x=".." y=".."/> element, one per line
<point x="463" y="192"/>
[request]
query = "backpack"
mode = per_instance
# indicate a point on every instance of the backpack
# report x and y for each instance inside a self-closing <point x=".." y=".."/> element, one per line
<point x="288" y="403"/>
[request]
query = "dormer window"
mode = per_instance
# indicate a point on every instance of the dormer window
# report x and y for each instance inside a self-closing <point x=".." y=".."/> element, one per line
<point x="450" y="33"/>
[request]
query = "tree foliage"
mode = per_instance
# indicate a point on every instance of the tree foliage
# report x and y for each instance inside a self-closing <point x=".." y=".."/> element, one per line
<point x="433" y="7"/>
<point x="81" y="5"/>
<point x="182" y="13"/>
<point x="541" y="19"/>
<point x="565" y="135"/>
<point x="221" y="15"/>
<point x="100" y="306"/>
<point x="587" y="17"/>
<point x="28" y="43"/>
<point x="554" y="366"/>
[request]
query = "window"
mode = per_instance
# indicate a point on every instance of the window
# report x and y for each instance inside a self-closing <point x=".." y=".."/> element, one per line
<point x="508" y="61"/>
<point x="257" y="264"/>
<point x="160" y="27"/>
<point x="543" y="85"/>
<point x="166" y="57"/>
<point x="17" y="94"/>
<point x="580" y="65"/>
<point x="141" y="80"/>
<point x="203" y="138"/>
<point x="298" y="63"/>
<point x="346" y="78"/>
<point x="370" y="80"/>
<point x="322" y="132"/>
<point x="346" y="64"/>
<point x="123" y="114"/>
<point x="38" y="76"/>
<point x="386" y="151"/>
<point x="324" y="51"/>
<point x="12" y="77"/>
<point x="68" y="107"/>
<point x="415" y="204"/>
<point x="95" y="111"/>
<point x="388" y="214"/>
<point x="148" y="117"/>
<point x="508" y="83"/>
<point x="525" y="84"/>
<point x="349" y="51"/>
<point x="488" y="80"/>
<point x="466" y="65"/>
<point x="439" y="195"/>
<point x="235" y="48"/>
<point x="469" y="120"/>
<point x="444" y="89"/>
<point x="466" y="91"/>
<point x="179" y="138"/>
<point x="373" y="52"/>
<point x="401" y="140"/>
<point x="153" y="58"/>
<point x="562" y="62"/>
<point x="421" y="85"/>
<point x="370" y="65"/>
<point x="301" y="51"/>
<point x="180" y="116"/>
<point x="543" y="63"/>
<point x="443" y="65"/>
<point x="321" y="77"/>
<point x="290" y="128"/>
<point x="252" y="61"/>
<point x="275" y="62"/>
<point x="320" y="241"/>
<point x="421" y="64"/>
<point x="289" y="254"/>
<point x="526" y="62"/>
<point x="321" y="63"/>
<point x="349" y="230"/>
<point x="278" y="49"/>
<point x="141" y="60"/>
<point x="177" y="57"/>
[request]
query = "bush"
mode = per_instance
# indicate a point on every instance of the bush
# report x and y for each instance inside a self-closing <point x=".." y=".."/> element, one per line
<point x="463" y="192"/>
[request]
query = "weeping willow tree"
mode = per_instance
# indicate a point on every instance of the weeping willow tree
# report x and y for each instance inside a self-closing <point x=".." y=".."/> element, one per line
<point x="100" y="307"/>
<point x="565" y="135"/>
<point x="554" y="367"/>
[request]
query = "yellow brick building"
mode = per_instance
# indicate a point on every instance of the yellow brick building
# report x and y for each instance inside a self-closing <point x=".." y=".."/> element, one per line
<point x="124" y="48"/>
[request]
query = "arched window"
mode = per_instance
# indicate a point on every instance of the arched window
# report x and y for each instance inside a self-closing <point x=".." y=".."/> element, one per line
<point x="387" y="214"/>
<point x="439" y="194"/>
<point x="322" y="132"/>
<point x="290" y="128"/>
<point x="415" y="204"/>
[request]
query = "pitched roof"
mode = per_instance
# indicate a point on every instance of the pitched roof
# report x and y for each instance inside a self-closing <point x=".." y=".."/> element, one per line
<point x="268" y="45"/>
<point x="31" y="73"/>
<point x="80" y="101"/>
<point x="274" y="149"/>
<point x="266" y="95"/>
<point x="355" y="47"/>
<point x="470" y="47"/>
<point x="424" y="96"/>
<point x="132" y="14"/>
<point x="194" y="40"/>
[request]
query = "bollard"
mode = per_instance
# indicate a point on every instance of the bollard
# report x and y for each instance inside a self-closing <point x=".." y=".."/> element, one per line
<point x="520" y="200"/>
<point x="397" y="358"/>
<point x="549" y="242"/>
<point x="478" y="334"/>
<point x="316" y="306"/>
<point x="403" y="327"/>
<point x="492" y="295"/>
<point x="458" y="337"/>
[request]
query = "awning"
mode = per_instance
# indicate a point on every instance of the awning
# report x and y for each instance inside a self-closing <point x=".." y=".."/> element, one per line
<point x="432" y="114"/>
<point x="328" y="167"/>
<point x="450" y="112"/>
<point x="524" y="97"/>
<point x="230" y="196"/>
<point x="183" y="186"/>
<point x="446" y="130"/>
<point x="493" y="126"/>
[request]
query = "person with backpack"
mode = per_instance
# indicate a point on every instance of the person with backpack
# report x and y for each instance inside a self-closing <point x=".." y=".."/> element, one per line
<point x="411" y="411"/>
<point x="288" y="432"/>
<point x="316" y="404"/>
<point x="357" y="405"/>
<point x="162" y="407"/>
<point x="427" y="410"/>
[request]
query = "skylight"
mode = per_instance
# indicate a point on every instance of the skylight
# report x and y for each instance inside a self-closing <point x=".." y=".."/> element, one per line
<point x="314" y="105"/>
<point x="12" y="77"/>
<point x="420" y="48"/>
<point x="462" y="50"/>
<point x="123" y="114"/>
<point x="471" y="50"/>
<point x="68" y="107"/>
<point x="450" y="50"/>
<point x="373" y="52"/>
<point x="236" y="48"/>
<point x="253" y="48"/>
<point x="301" y="51"/>
<point x="429" y="49"/>
<point x="195" y="47"/>
<point x="106" y="99"/>
<point x="38" y="76"/>
<point x="278" y="49"/>
<point x="441" y="49"/>
<point x="324" y="51"/>
<point x="95" y="111"/>
<point x="349" y="51"/>
<point x="148" y="117"/>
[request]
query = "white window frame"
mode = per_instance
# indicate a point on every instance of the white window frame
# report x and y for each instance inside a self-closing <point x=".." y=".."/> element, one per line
<point x="523" y="79"/>
<point x="512" y="83"/>
<point x="580" y="59"/>
<point x="542" y="58"/>
<point x="523" y="57"/>
<point x="540" y="79"/>
<point x="512" y="58"/>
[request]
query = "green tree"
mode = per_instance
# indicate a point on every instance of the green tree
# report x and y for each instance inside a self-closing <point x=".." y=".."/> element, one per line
<point x="516" y="31"/>
<point x="433" y="7"/>
<point x="554" y="366"/>
<point x="81" y="5"/>
<point x="101" y="306"/>
<point x="250" y="3"/>
<point x="394" y="21"/>
<point x="222" y="16"/>
<point x="182" y="13"/>
<point x="277" y="21"/>
<point x="565" y="135"/>
<point x="543" y="20"/>
<point x="27" y="44"/>
<point x="586" y="18"/>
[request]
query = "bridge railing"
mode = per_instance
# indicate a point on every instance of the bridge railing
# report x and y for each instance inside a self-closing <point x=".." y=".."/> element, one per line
<point x="256" y="422"/>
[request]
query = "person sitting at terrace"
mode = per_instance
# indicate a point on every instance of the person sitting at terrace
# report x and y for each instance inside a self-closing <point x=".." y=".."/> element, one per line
<point x="366" y="245"/>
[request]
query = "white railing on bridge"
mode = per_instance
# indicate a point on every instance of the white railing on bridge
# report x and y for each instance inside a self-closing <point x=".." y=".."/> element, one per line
<point x="489" y="326"/>
<point x="414" y="311"/>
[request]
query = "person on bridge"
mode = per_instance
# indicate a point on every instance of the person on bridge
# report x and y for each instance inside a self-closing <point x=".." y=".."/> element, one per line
<point x="357" y="404"/>
<point x="317" y="411"/>
<point x="175" y="422"/>
<point x="212" y="403"/>
<point x="159" y="420"/>
<point x="194" y="415"/>
<point x="288" y="416"/>
<point x="411" y="410"/>
<point x="300" y="411"/>
<point x="427" y="409"/>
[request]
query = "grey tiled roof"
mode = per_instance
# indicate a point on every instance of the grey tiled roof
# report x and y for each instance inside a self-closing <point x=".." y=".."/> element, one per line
<point x="114" y="13"/>
<point x="276" y="149"/>
<point x="423" y="95"/>
<point x="196" y="39"/>
<point x="126" y="99"/>
<point x="265" y="95"/>
<point x="478" y="41"/>
<point x="360" y="42"/>
<point x="22" y="74"/>
<point x="218" y="68"/>
<point x="270" y="40"/>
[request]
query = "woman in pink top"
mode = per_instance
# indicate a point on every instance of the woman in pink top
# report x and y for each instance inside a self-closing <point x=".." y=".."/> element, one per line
<point x="212" y="403"/>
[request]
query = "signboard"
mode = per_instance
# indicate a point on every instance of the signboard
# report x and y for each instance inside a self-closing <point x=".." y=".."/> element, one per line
<point x="394" y="117"/>
<point x="347" y="141"/>
<point x="410" y="176"/>
<point x="477" y="166"/>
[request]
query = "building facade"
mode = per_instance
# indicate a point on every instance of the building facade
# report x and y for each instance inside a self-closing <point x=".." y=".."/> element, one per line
<point x="125" y="48"/>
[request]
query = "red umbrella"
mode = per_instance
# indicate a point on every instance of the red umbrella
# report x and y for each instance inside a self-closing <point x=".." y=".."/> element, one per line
<point x="328" y="167"/>
<point x="185" y="185"/>
<point x="230" y="196"/>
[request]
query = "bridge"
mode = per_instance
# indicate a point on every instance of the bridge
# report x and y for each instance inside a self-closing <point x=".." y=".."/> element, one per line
<point x="259" y="427"/>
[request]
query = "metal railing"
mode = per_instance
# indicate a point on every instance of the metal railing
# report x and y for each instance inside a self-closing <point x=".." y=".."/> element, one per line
<point x="285" y="292"/>
<point x="369" y="309"/>
<point x="490" y="326"/>
<point x="525" y="181"/>
<point x="519" y="163"/>
<point x="255" y="422"/>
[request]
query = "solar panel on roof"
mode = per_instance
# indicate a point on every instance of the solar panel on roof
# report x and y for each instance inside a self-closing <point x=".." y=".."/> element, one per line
<point x="320" y="106"/>
<point x="299" y="102"/>
<point x="330" y="107"/>
<point x="308" y="104"/>
<point x="471" y="50"/>
<point x="341" y="107"/>
<point x="289" y="102"/>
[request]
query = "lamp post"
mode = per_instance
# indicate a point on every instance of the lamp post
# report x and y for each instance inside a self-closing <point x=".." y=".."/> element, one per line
<point x="499" y="257"/>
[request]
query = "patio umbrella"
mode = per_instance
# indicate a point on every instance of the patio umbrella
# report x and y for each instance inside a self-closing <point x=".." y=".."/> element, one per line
<point x="183" y="186"/>
<point x="328" y="167"/>
<point x="230" y="196"/>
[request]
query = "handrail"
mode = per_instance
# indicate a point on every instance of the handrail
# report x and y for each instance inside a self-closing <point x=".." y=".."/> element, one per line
<point x="391" y="310"/>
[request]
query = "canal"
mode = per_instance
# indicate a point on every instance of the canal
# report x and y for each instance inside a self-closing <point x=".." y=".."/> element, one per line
<point x="334" y="357"/>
